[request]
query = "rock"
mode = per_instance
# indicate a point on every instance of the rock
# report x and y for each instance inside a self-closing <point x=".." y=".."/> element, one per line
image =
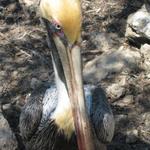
<point x="146" y="118"/>
<point x="120" y="117"/>
<point x="7" y="137"/>
<point x="144" y="130"/>
<point x="125" y="58"/>
<point x="105" y="41"/>
<point x="6" y="106"/>
<point x="132" y="136"/>
<point x="145" y="51"/>
<point x="12" y="7"/>
<point x="122" y="79"/>
<point x="30" y="7"/>
<point x="148" y="75"/>
<point x="127" y="100"/>
<point x="115" y="91"/>
<point x="2" y="75"/>
<point x="146" y="88"/>
<point x="14" y="75"/>
<point x="28" y="3"/>
<point x="138" y="25"/>
<point x="130" y="57"/>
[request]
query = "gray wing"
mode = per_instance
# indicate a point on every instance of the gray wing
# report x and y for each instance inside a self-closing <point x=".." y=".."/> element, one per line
<point x="101" y="116"/>
<point x="31" y="115"/>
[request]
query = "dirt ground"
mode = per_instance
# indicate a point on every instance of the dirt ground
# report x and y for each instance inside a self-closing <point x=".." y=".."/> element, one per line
<point x="25" y="62"/>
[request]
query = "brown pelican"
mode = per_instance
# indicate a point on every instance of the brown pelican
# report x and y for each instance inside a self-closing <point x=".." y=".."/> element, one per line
<point x="61" y="117"/>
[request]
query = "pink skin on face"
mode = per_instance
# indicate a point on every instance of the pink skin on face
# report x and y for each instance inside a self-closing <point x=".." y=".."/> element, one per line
<point x="58" y="28"/>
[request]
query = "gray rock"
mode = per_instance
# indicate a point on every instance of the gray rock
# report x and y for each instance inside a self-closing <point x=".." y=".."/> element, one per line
<point x="125" y="58"/>
<point x="3" y="74"/>
<point x="6" y="106"/>
<point x="144" y="130"/>
<point x="120" y="118"/>
<point x="148" y="75"/>
<point x="145" y="51"/>
<point x="29" y="3"/>
<point x="138" y="24"/>
<point x="105" y="41"/>
<point x="132" y="136"/>
<point x="145" y="118"/>
<point x="127" y="100"/>
<point x="30" y="6"/>
<point x="115" y="91"/>
<point x="7" y="138"/>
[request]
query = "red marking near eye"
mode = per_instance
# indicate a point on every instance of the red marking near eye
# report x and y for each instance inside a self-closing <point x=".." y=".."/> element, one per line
<point x="55" y="22"/>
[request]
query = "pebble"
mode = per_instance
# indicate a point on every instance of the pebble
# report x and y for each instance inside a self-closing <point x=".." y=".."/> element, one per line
<point x="120" y="117"/>
<point x="145" y="51"/>
<point x="115" y="91"/>
<point x="127" y="100"/>
<point x="132" y="136"/>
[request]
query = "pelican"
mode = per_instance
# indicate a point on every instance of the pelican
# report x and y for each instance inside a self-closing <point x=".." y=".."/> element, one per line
<point x="67" y="115"/>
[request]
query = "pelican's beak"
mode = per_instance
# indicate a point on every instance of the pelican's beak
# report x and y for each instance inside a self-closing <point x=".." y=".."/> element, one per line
<point x="67" y="57"/>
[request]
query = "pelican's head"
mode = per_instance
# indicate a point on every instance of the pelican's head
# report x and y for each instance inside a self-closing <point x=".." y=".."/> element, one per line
<point x="65" y="16"/>
<point x="63" y="24"/>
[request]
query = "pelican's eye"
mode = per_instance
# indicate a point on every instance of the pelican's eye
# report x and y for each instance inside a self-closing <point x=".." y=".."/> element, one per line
<point x="58" y="27"/>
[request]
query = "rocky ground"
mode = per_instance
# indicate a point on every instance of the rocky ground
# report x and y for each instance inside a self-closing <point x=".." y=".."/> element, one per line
<point x="116" y="54"/>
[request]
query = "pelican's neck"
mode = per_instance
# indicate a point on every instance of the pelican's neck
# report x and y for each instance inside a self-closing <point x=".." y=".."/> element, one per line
<point x="63" y="113"/>
<point x="60" y="84"/>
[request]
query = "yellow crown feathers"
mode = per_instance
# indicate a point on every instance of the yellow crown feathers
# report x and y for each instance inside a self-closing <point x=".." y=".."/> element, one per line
<point x="67" y="13"/>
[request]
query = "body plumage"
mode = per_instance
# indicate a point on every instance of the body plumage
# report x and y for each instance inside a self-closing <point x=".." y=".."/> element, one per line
<point x="40" y="131"/>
